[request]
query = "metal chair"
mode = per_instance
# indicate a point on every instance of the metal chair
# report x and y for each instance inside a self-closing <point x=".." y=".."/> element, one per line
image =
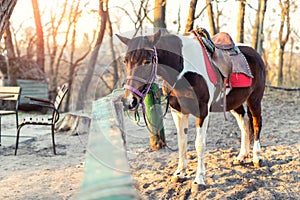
<point x="44" y="103"/>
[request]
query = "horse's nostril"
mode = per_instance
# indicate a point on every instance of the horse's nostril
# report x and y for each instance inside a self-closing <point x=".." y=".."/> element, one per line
<point x="130" y="104"/>
<point x="123" y="100"/>
<point x="125" y="103"/>
<point x="133" y="103"/>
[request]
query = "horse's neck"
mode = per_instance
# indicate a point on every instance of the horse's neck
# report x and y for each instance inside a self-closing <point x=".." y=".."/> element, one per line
<point x="169" y="67"/>
<point x="167" y="73"/>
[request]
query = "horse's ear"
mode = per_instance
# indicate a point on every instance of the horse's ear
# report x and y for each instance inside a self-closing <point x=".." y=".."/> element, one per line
<point x="125" y="40"/>
<point x="154" y="38"/>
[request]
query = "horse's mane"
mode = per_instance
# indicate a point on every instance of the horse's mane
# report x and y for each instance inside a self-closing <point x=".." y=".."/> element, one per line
<point x="170" y="49"/>
<point x="170" y="43"/>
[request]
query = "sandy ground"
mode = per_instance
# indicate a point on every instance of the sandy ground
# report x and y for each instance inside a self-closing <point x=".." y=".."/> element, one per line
<point x="35" y="173"/>
<point x="278" y="178"/>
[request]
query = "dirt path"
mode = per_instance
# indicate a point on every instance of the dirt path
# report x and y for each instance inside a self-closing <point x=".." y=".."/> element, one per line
<point x="278" y="178"/>
<point x="37" y="174"/>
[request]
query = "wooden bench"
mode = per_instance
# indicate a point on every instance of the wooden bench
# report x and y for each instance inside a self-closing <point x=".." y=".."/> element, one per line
<point x="9" y="94"/>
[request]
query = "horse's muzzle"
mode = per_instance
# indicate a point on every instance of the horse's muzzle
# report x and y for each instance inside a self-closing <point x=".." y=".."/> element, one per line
<point x="130" y="104"/>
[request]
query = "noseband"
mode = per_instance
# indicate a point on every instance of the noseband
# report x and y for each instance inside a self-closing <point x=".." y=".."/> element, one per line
<point x="148" y="82"/>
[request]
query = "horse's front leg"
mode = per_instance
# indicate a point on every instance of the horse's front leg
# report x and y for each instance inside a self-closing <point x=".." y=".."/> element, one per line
<point x="200" y="145"/>
<point x="181" y="123"/>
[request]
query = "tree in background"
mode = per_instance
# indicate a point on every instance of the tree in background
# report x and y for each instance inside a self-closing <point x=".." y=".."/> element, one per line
<point x="54" y="52"/>
<point x="212" y="24"/>
<point x="240" y="23"/>
<point x="159" y="15"/>
<point x="74" y="60"/>
<point x="63" y="58"/>
<point x="191" y="16"/>
<point x="11" y="57"/>
<point x="284" y="27"/>
<point x="6" y="8"/>
<point x="112" y="51"/>
<point x="138" y="15"/>
<point x="40" y="50"/>
<point x="258" y="28"/>
<point x="103" y="9"/>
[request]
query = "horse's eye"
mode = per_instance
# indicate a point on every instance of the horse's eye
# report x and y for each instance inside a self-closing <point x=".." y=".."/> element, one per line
<point x="125" y="60"/>
<point x="146" y="62"/>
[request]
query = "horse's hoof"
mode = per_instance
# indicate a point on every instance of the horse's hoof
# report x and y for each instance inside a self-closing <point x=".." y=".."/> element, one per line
<point x="175" y="179"/>
<point x="258" y="164"/>
<point x="197" y="187"/>
<point x="238" y="162"/>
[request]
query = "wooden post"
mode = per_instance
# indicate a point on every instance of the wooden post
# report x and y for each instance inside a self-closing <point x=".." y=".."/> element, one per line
<point x="154" y="118"/>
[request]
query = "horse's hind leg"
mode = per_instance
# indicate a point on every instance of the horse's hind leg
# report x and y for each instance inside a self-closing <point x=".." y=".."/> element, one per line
<point x="254" y="112"/>
<point x="243" y="122"/>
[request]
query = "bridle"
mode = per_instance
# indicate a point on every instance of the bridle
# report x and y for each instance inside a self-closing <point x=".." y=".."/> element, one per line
<point x="146" y="90"/>
<point x="149" y="82"/>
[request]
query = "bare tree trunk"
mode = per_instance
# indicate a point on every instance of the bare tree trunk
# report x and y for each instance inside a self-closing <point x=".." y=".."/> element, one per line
<point x="178" y="20"/>
<point x="159" y="15"/>
<point x="6" y="8"/>
<point x="284" y="24"/>
<point x="11" y="58"/>
<point x="260" y="38"/>
<point x="280" y="66"/>
<point x="255" y="28"/>
<point x="290" y="75"/>
<point x="112" y="51"/>
<point x="257" y="34"/>
<point x="240" y="23"/>
<point x="103" y="9"/>
<point x="71" y="66"/>
<point x="191" y="16"/>
<point x="40" y="51"/>
<point x="74" y="63"/>
<point x="53" y="49"/>
<point x="73" y="23"/>
<point x="210" y="13"/>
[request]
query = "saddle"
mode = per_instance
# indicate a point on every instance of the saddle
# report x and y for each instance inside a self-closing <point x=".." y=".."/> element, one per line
<point x="225" y="55"/>
<point x="227" y="60"/>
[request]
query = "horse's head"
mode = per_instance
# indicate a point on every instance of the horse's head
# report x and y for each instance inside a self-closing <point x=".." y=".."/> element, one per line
<point x="141" y="68"/>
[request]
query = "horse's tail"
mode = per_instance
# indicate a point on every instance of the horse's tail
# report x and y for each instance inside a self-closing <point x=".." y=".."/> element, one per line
<point x="251" y="128"/>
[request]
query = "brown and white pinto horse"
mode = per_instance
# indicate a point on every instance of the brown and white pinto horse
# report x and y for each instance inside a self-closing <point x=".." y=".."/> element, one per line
<point x="179" y="61"/>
